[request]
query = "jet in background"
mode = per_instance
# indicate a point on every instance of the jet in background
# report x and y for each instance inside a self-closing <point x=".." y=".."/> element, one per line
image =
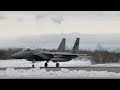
<point x="41" y="55"/>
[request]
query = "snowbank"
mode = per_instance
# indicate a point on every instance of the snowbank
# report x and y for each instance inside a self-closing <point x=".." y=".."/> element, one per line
<point x="64" y="73"/>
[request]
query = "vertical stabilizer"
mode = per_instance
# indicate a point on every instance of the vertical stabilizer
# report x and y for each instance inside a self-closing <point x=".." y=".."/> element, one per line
<point x="61" y="47"/>
<point x="76" y="46"/>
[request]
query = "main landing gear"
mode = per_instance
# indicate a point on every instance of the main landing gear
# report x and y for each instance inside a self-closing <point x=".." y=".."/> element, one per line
<point x="46" y="64"/>
<point x="57" y="64"/>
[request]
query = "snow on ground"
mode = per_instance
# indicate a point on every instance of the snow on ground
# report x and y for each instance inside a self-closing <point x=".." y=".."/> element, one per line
<point x="64" y="73"/>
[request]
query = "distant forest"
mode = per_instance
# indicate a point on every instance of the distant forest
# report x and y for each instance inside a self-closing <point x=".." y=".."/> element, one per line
<point x="97" y="56"/>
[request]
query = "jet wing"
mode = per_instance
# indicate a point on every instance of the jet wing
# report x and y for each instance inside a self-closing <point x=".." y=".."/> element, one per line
<point x="62" y="54"/>
<point x="68" y="54"/>
<point x="44" y="55"/>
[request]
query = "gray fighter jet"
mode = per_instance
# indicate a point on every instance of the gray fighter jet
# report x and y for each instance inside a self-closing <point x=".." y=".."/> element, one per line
<point x="41" y="55"/>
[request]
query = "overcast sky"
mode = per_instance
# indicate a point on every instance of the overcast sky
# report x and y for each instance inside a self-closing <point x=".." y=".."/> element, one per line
<point x="27" y="23"/>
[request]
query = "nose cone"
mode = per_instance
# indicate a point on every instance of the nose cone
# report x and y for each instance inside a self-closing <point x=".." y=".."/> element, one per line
<point x="18" y="55"/>
<point x="13" y="56"/>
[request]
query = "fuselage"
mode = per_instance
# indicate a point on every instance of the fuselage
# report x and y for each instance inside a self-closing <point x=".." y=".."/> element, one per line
<point x="32" y="54"/>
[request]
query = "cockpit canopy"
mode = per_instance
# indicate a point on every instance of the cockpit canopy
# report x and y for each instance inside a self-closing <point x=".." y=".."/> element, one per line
<point x="27" y="49"/>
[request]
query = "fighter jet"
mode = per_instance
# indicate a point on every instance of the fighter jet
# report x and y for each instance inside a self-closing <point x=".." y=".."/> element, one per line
<point x="41" y="55"/>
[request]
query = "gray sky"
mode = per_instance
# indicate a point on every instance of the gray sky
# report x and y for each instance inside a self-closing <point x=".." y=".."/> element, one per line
<point x="15" y="24"/>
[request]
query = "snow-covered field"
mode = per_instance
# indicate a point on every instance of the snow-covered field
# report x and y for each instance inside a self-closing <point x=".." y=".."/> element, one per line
<point x="10" y="72"/>
<point x="37" y="73"/>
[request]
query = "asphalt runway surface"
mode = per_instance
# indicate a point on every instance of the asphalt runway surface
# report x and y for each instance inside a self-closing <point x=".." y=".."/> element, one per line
<point x="108" y="69"/>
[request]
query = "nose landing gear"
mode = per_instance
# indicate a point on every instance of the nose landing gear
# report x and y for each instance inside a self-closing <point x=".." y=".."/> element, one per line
<point x="33" y="66"/>
<point x="33" y="61"/>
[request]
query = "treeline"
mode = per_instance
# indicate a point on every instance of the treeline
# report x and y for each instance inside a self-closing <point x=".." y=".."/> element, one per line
<point x="6" y="53"/>
<point x="105" y="57"/>
<point x="96" y="56"/>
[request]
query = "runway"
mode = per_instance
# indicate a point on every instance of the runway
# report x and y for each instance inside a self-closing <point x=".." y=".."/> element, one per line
<point x="108" y="69"/>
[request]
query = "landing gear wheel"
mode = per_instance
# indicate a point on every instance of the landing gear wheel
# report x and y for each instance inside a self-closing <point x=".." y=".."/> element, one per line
<point x="33" y="66"/>
<point x="57" y="64"/>
<point x="33" y="61"/>
<point x="46" y="64"/>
